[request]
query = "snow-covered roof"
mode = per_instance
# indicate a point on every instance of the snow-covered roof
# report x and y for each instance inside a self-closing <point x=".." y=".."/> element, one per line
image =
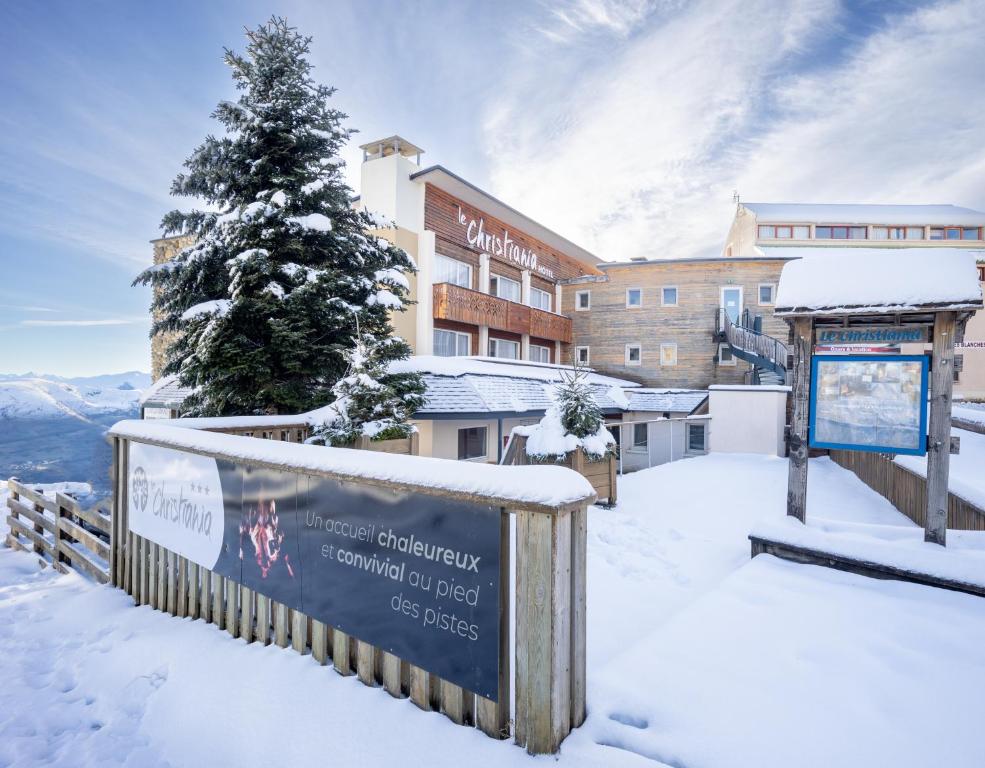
<point x="460" y="385"/>
<point x="865" y="280"/>
<point x="663" y="400"/>
<point x="166" y="392"/>
<point x="472" y="393"/>
<point x="497" y="366"/>
<point x="929" y="215"/>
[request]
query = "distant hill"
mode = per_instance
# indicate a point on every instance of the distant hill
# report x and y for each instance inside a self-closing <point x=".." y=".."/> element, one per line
<point x="44" y="398"/>
<point x="54" y="428"/>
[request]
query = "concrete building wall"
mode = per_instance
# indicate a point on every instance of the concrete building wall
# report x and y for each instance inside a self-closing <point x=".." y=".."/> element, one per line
<point x="971" y="380"/>
<point x="747" y="419"/>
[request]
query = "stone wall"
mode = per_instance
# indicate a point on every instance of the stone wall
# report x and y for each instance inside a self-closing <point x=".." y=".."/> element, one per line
<point x="165" y="249"/>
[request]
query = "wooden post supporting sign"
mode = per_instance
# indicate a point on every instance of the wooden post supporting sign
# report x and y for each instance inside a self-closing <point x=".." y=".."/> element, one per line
<point x="939" y="428"/>
<point x="803" y="340"/>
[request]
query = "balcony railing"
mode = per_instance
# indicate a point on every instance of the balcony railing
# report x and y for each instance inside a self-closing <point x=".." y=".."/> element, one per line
<point x="463" y="305"/>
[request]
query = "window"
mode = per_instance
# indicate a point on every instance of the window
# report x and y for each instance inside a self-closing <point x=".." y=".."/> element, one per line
<point x="953" y="233"/>
<point x="801" y="232"/>
<point x="581" y="355"/>
<point x="583" y="300"/>
<point x="640" y="436"/>
<point x="504" y="287"/>
<point x="634" y="297"/>
<point x="668" y="296"/>
<point x="540" y="354"/>
<point x="784" y="232"/>
<point x="767" y="231"/>
<point x="936" y="233"/>
<point x="448" y="270"/>
<point x="725" y="356"/>
<point x="840" y="233"/>
<point x="451" y="343"/>
<point x="696" y="437"/>
<point x="897" y="233"/>
<point x="471" y="443"/>
<point x="633" y="354"/>
<point x="504" y="348"/>
<point x="540" y="299"/>
<point x="766" y="291"/>
<point x="971" y="233"/>
<point x="668" y="354"/>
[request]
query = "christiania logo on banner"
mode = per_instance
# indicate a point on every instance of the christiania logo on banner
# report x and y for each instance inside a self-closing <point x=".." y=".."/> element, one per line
<point x="176" y="500"/>
<point x="500" y="245"/>
<point x="905" y="335"/>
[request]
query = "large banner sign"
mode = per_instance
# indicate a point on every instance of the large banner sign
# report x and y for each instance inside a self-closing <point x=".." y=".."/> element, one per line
<point x="869" y="403"/>
<point x="413" y="574"/>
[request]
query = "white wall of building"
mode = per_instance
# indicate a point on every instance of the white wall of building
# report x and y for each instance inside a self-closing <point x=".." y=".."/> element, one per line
<point x="386" y="189"/>
<point x="747" y="419"/>
<point x="667" y="439"/>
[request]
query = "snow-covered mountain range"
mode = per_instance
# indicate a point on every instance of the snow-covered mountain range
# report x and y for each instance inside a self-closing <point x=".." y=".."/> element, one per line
<point x="54" y="428"/>
<point x="32" y="396"/>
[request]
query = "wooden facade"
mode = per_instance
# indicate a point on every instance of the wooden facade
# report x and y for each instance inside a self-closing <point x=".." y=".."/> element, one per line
<point x="443" y="215"/>
<point x="608" y="325"/>
<point x="474" y="308"/>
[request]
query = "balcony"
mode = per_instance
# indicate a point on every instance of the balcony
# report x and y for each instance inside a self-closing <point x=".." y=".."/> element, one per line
<point x="463" y="305"/>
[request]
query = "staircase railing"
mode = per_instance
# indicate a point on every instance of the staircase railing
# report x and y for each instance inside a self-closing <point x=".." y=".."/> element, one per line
<point x="753" y="346"/>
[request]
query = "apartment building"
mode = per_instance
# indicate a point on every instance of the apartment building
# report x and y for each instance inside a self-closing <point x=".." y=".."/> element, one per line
<point x="489" y="278"/>
<point x="775" y="225"/>
<point x="787" y="229"/>
<point x="659" y="321"/>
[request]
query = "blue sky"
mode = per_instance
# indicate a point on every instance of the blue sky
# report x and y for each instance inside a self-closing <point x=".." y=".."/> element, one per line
<point x="624" y="125"/>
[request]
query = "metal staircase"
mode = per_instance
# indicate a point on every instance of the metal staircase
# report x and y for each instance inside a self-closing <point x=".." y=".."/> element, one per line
<point x="767" y="355"/>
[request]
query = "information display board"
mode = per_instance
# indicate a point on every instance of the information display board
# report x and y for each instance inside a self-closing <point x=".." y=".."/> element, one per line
<point x="414" y="574"/>
<point x="869" y="403"/>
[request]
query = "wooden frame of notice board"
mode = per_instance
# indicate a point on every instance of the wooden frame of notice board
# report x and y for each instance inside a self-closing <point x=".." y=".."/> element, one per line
<point x="919" y="449"/>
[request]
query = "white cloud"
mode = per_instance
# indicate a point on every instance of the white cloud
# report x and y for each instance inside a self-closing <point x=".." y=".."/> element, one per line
<point x="640" y="154"/>
<point x="572" y="18"/>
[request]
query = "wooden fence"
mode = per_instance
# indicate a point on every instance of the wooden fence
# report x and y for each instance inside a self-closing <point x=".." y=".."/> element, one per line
<point x="906" y="490"/>
<point x="60" y="530"/>
<point x="550" y="619"/>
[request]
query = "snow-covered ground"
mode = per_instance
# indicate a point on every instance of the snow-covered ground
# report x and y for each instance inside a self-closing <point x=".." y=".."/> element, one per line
<point x="698" y="657"/>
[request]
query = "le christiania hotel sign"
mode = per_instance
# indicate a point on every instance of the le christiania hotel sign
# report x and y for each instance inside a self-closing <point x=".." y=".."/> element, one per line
<point x="501" y="245"/>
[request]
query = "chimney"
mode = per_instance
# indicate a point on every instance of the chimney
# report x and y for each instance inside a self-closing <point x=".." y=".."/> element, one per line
<point x="392" y="145"/>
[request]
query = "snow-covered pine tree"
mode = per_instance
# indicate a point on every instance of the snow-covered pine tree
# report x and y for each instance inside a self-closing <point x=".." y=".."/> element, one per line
<point x="580" y="414"/>
<point x="371" y="401"/>
<point x="279" y="280"/>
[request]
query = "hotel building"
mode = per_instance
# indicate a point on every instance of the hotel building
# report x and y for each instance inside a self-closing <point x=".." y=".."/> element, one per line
<point x="489" y="278"/>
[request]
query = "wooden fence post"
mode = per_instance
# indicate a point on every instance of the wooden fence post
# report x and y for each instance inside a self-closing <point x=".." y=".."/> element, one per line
<point x="938" y="447"/>
<point x="550" y="585"/>
<point x="803" y="345"/>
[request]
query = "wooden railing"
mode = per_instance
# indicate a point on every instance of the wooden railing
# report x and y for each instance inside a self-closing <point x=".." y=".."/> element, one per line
<point x="60" y="530"/>
<point x="906" y="490"/>
<point x="463" y="305"/>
